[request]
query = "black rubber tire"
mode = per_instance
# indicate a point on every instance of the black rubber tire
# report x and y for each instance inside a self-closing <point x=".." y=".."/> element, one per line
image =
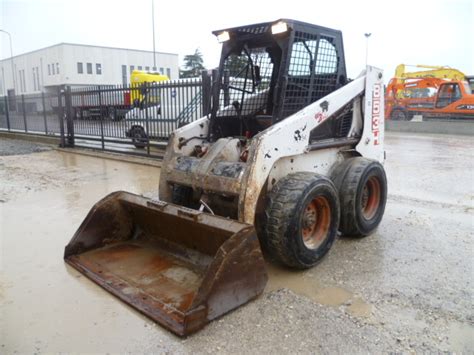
<point x="351" y="178"/>
<point x="399" y="115"/>
<point x="282" y="230"/>
<point x="111" y="113"/>
<point x="139" y="137"/>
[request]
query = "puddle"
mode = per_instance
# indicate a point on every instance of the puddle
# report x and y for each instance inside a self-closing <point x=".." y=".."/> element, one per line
<point x="332" y="296"/>
<point x="48" y="197"/>
<point x="360" y="309"/>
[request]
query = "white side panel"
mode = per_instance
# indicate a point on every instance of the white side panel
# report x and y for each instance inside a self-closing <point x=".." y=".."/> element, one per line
<point x="289" y="137"/>
<point x="371" y="143"/>
<point x="319" y="162"/>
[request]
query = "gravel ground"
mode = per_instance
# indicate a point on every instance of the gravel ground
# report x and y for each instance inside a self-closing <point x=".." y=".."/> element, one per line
<point x="407" y="288"/>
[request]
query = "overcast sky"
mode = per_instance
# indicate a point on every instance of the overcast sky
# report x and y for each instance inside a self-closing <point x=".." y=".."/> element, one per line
<point x="434" y="32"/>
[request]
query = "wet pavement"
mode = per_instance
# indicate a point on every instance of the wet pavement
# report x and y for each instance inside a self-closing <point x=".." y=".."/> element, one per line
<point x="408" y="287"/>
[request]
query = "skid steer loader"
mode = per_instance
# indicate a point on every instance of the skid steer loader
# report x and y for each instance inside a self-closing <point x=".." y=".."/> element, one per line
<point x="290" y="155"/>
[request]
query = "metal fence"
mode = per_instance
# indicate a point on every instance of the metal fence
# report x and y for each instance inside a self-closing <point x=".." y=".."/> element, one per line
<point x="30" y="114"/>
<point x="128" y="119"/>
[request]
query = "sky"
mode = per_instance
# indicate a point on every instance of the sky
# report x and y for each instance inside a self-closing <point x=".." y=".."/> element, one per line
<point x="431" y="32"/>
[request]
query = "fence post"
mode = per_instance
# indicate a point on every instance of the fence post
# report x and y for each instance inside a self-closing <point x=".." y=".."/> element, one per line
<point x="147" y="125"/>
<point x="24" y="112"/>
<point x="44" y="113"/>
<point x="69" y="117"/>
<point x="62" y="143"/>
<point x="7" y="113"/>
<point x="101" y="119"/>
<point x="206" y="92"/>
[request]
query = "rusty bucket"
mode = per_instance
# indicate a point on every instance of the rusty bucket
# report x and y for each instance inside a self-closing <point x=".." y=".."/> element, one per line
<point x="180" y="267"/>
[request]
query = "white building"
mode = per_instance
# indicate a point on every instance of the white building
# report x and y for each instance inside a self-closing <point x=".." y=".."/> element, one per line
<point x="79" y="65"/>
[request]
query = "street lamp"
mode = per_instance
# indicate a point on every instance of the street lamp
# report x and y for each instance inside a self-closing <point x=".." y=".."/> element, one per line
<point x="367" y="35"/>
<point x="11" y="58"/>
<point x="153" y="25"/>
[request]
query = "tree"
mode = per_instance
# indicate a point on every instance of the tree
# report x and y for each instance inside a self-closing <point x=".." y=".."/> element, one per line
<point x="236" y="65"/>
<point x="193" y="65"/>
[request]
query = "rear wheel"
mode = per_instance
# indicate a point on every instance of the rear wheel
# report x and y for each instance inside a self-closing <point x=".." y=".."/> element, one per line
<point x="139" y="137"/>
<point x="301" y="219"/>
<point x="111" y="113"/>
<point x="362" y="194"/>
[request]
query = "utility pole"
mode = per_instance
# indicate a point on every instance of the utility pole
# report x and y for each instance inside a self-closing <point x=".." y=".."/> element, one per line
<point x="11" y="59"/>
<point x="153" y="24"/>
<point x="367" y="35"/>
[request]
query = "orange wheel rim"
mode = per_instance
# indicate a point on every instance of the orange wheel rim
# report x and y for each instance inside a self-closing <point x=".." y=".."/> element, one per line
<point x="315" y="222"/>
<point x="370" y="201"/>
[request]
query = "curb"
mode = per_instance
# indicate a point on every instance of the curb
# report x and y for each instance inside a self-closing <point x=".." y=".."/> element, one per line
<point x="465" y="128"/>
<point x="54" y="141"/>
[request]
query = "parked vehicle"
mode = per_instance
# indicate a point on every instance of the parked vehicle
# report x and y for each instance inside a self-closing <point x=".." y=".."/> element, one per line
<point x="107" y="101"/>
<point x="418" y="93"/>
<point x="176" y="109"/>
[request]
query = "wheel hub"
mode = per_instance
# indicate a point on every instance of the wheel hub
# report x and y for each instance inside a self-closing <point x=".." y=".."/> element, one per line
<point x="370" y="199"/>
<point x="315" y="222"/>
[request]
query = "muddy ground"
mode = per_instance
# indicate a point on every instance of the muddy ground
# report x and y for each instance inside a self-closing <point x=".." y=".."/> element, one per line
<point x="408" y="287"/>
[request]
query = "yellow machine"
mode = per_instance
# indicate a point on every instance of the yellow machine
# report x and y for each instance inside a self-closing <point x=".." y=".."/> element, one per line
<point x="441" y="72"/>
<point x="137" y="79"/>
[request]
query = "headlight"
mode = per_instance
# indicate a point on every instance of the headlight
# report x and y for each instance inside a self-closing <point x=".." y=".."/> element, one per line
<point x="279" y="27"/>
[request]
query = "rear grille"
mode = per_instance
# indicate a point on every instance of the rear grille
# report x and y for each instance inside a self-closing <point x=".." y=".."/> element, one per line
<point x="344" y="123"/>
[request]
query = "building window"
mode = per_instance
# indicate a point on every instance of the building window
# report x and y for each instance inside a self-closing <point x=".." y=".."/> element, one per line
<point x="147" y="68"/>
<point x="162" y="71"/>
<point x="37" y="78"/>
<point x="139" y="67"/>
<point x="21" y="74"/>
<point x="124" y="75"/>
<point x="132" y="68"/>
<point x="24" y="80"/>
<point x="52" y="69"/>
<point x="98" y="68"/>
<point x="80" y="69"/>
<point x="49" y="69"/>
<point x="34" y="79"/>
<point x="57" y="68"/>
<point x="2" y="83"/>
<point x="89" y="68"/>
<point x="154" y="69"/>
<point x="168" y="72"/>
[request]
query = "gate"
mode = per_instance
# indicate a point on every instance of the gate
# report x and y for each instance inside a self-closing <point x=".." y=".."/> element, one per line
<point x="132" y="119"/>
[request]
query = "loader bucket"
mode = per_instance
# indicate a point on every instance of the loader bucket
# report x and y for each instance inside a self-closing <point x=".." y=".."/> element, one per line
<point x="180" y="267"/>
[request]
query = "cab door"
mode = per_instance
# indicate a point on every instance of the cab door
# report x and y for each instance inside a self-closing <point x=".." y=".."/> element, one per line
<point x="448" y="93"/>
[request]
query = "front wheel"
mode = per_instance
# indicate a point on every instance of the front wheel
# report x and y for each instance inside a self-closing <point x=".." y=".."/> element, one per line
<point x="139" y="137"/>
<point x="301" y="219"/>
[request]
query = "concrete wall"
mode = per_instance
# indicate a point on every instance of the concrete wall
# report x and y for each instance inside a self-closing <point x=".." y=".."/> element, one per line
<point x="437" y="127"/>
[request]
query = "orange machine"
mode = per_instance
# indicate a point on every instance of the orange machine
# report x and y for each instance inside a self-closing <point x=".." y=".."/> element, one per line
<point x="440" y="92"/>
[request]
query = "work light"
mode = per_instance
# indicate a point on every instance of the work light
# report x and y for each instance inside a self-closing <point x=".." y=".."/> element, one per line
<point x="279" y="27"/>
<point x="223" y="36"/>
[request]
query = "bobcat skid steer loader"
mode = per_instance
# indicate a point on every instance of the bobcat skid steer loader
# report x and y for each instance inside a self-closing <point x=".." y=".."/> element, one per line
<point x="290" y="154"/>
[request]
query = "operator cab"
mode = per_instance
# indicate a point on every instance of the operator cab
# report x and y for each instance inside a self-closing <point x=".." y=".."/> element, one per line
<point x="269" y="71"/>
